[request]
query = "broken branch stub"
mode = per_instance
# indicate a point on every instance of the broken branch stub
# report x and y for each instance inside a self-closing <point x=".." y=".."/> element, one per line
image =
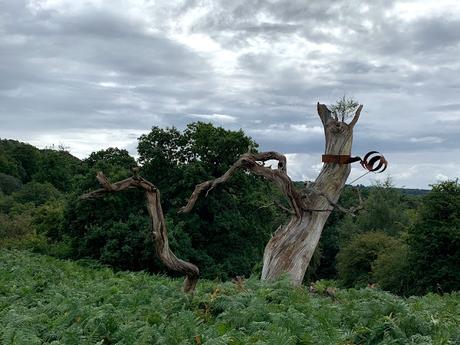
<point x="158" y="224"/>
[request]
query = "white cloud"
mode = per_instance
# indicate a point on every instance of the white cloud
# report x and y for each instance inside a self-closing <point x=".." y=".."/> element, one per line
<point x="415" y="9"/>
<point x="72" y="69"/>
<point x="429" y="140"/>
<point x="441" y="177"/>
<point x="307" y="129"/>
<point x="214" y="117"/>
<point x="109" y="84"/>
<point x="82" y="143"/>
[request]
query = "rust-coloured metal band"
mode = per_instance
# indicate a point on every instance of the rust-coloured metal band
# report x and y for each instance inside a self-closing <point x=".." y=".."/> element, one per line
<point x="339" y="159"/>
<point x="376" y="163"/>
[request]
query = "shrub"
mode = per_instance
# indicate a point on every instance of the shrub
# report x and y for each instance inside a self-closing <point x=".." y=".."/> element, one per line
<point x="57" y="167"/>
<point x="392" y="270"/>
<point x="36" y="193"/>
<point x="48" y="219"/>
<point x="9" y="184"/>
<point x="434" y="240"/>
<point x="355" y="259"/>
<point x="17" y="231"/>
<point x="15" y="226"/>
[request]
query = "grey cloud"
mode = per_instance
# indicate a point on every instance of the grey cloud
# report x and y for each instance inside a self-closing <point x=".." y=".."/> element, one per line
<point x="103" y="68"/>
<point x="437" y="33"/>
<point x="52" y="66"/>
<point x="446" y="107"/>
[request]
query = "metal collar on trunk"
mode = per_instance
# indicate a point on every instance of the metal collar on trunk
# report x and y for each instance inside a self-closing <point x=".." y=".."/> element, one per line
<point x="372" y="161"/>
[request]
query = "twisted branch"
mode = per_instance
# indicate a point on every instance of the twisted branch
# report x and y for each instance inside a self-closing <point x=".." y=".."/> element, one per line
<point x="158" y="225"/>
<point x="254" y="162"/>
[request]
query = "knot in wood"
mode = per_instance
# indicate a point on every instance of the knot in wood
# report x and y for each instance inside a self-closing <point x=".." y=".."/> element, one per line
<point x="337" y="127"/>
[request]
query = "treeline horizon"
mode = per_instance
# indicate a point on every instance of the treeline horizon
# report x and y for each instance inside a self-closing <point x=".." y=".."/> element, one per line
<point x="63" y="148"/>
<point x="402" y="241"/>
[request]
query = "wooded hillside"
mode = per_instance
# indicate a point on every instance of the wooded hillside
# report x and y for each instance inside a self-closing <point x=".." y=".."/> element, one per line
<point x="404" y="242"/>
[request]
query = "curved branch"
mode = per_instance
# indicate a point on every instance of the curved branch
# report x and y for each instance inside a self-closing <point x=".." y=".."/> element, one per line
<point x="253" y="162"/>
<point x="158" y="225"/>
<point x="356" y="117"/>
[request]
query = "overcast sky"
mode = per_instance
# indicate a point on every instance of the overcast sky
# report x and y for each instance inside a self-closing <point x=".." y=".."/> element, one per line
<point x="95" y="74"/>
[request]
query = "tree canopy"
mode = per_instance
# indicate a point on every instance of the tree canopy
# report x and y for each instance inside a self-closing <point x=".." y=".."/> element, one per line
<point x="407" y="243"/>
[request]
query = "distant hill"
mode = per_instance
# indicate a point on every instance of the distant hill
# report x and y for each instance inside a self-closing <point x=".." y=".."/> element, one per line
<point x="404" y="191"/>
<point x="21" y="163"/>
<point x="413" y="191"/>
<point x="25" y="161"/>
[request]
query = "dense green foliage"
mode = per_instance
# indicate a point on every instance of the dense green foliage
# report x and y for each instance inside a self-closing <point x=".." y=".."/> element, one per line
<point x="434" y="240"/>
<point x="18" y="159"/>
<point x="393" y="272"/>
<point x="407" y="245"/>
<point x="224" y="236"/>
<point x="385" y="210"/>
<point x="356" y="258"/>
<point x="48" y="301"/>
<point x="9" y="184"/>
<point x="26" y="163"/>
<point x="406" y="242"/>
<point x="228" y="229"/>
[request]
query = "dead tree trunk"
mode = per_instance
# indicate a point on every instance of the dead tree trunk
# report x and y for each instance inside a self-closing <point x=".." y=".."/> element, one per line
<point x="293" y="244"/>
<point x="158" y="225"/>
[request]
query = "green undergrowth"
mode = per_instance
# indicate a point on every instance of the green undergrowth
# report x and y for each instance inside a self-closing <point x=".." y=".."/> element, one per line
<point x="48" y="301"/>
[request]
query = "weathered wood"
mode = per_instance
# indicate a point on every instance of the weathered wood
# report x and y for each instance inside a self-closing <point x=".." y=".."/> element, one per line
<point x="158" y="225"/>
<point x="254" y="163"/>
<point x="292" y="245"/>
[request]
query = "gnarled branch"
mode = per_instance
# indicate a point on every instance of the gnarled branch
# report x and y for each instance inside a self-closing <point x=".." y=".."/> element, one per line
<point x="158" y="224"/>
<point x="254" y="163"/>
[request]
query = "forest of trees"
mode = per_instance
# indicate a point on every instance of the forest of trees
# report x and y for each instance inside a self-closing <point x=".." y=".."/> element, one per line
<point x="406" y="243"/>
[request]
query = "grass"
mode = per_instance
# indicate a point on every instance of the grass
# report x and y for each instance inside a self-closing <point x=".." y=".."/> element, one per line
<point x="48" y="301"/>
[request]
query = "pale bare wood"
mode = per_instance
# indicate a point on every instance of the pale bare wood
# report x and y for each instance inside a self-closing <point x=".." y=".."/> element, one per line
<point x="158" y="224"/>
<point x="292" y="245"/>
<point x="254" y="163"/>
<point x="324" y="113"/>
<point x="356" y="117"/>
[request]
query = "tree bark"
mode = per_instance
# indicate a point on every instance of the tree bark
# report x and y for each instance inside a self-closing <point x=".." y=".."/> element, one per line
<point x="291" y="247"/>
<point x="293" y="244"/>
<point x="158" y="225"/>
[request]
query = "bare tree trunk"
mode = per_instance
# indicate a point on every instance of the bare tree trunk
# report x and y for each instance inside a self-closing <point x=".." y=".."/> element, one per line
<point x="293" y="244"/>
<point x="158" y="225"/>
